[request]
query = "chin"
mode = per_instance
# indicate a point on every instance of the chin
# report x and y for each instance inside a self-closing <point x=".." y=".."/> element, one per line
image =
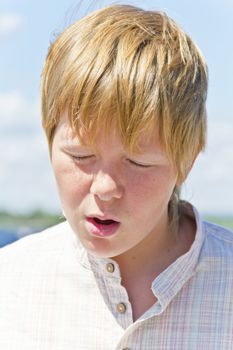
<point x="102" y="249"/>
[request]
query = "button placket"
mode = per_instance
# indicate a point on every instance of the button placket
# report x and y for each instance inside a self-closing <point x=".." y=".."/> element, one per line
<point x="118" y="298"/>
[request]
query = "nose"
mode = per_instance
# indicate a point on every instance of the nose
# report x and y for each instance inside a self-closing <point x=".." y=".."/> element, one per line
<point x="105" y="187"/>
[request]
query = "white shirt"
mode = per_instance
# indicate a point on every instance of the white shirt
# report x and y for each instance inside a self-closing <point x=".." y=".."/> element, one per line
<point x="55" y="296"/>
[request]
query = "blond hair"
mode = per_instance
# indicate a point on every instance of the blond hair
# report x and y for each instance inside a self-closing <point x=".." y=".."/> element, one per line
<point x="136" y="69"/>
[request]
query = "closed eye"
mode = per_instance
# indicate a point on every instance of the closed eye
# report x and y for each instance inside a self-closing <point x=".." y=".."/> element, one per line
<point x="81" y="159"/>
<point x="141" y="165"/>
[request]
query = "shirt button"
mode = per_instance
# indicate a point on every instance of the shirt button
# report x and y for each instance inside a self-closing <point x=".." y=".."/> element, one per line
<point x="121" y="308"/>
<point x="110" y="267"/>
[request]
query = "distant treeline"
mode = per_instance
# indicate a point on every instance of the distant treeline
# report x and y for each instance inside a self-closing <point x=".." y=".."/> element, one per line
<point x="37" y="218"/>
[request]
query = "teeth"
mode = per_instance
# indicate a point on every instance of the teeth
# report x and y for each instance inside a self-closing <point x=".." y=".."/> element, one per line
<point x="104" y="222"/>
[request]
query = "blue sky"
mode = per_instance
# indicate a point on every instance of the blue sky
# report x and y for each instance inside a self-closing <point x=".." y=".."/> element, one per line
<point x="26" y="29"/>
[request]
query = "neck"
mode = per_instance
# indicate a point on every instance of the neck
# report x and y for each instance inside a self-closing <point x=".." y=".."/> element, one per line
<point x="157" y="251"/>
<point x="148" y="254"/>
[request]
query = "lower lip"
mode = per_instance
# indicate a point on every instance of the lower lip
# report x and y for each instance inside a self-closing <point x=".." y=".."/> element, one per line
<point x="100" y="230"/>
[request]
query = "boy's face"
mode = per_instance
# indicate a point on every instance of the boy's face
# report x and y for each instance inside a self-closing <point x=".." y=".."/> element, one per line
<point x="113" y="201"/>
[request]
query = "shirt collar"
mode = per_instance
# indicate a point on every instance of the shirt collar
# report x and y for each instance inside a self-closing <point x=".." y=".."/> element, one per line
<point x="171" y="280"/>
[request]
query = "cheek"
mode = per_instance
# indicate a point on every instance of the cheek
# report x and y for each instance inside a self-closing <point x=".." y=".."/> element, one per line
<point x="153" y="188"/>
<point x="73" y="184"/>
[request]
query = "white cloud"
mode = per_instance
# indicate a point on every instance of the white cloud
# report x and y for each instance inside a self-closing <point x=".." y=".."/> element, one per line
<point x="10" y="22"/>
<point x="18" y="112"/>
<point x="26" y="180"/>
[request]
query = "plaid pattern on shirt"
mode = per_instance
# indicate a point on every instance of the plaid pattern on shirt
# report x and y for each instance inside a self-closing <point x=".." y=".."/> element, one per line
<point x="55" y="296"/>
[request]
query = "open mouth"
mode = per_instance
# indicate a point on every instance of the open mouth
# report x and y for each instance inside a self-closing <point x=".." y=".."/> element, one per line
<point x="104" y="222"/>
<point x="102" y="228"/>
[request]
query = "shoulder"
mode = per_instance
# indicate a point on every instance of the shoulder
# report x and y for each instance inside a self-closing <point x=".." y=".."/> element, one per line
<point x="217" y="234"/>
<point x="212" y="240"/>
<point x="218" y="243"/>
<point x="38" y="245"/>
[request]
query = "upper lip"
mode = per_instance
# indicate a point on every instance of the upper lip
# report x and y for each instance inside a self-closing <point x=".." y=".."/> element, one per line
<point x="102" y="217"/>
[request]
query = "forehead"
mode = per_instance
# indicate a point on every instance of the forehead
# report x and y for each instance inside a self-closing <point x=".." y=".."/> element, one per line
<point x="147" y="140"/>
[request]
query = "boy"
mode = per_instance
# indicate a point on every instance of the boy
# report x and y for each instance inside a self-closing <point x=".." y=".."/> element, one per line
<point x="133" y="267"/>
